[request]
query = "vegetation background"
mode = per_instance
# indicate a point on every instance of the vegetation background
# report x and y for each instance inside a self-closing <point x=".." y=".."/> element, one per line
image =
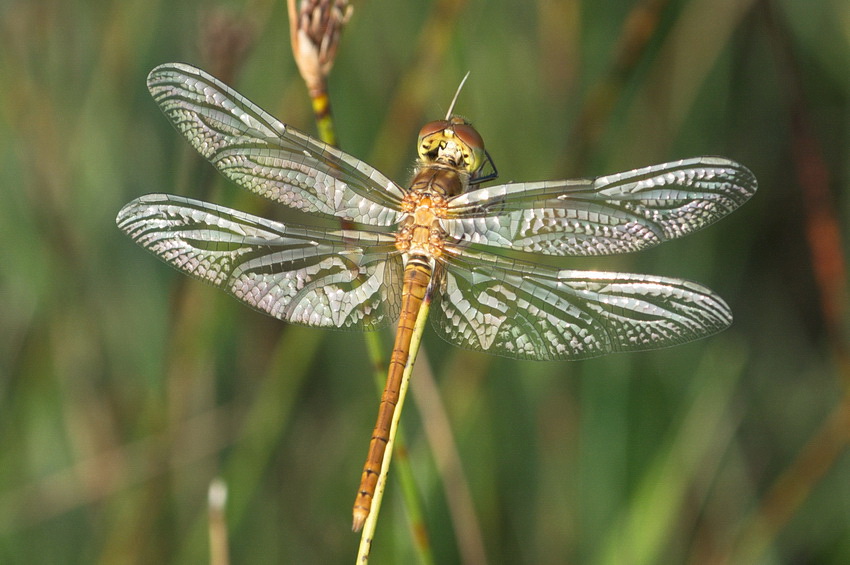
<point x="125" y="388"/>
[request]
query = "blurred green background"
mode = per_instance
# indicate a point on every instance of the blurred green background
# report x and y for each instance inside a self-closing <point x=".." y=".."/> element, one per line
<point x="125" y="387"/>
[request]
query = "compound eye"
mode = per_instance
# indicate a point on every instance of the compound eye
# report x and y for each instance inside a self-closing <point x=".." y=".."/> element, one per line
<point x="431" y="128"/>
<point x="467" y="134"/>
<point x="470" y="138"/>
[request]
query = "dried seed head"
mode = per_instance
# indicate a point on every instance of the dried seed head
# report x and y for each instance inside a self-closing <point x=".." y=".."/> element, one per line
<point x="315" y="29"/>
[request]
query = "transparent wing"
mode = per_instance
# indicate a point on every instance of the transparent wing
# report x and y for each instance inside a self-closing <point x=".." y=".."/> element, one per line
<point x="611" y="214"/>
<point x="341" y="279"/>
<point x="268" y="157"/>
<point x="489" y="303"/>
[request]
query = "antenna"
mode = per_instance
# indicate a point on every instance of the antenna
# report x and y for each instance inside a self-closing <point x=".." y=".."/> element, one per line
<point x="459" y="87"/>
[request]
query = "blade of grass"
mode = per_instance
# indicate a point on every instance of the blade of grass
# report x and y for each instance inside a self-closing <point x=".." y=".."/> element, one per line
<point x="216" y="500"/>
<point x="264" y="424"/>
<point x="648" y="525"/>
<point x="822" y="452"/>
<point x="455" y="484"/>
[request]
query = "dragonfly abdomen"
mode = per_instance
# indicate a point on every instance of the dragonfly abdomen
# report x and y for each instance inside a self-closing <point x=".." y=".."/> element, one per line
<point x="417" y="276"/>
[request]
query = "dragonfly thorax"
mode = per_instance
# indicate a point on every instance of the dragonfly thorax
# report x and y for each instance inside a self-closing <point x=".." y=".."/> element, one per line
<point x="420" y="233"/>
<point x="437" y="179"/>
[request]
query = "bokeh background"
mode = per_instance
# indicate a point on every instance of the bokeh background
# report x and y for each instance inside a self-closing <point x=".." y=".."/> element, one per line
<point x="125" y="388"/>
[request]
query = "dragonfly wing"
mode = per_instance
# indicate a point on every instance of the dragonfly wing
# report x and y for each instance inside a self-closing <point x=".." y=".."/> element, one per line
<point x="341" y="279"/>
<point x="489" y="303"/>
<point x="611" y="214"/>
<point x="268" y="157"/>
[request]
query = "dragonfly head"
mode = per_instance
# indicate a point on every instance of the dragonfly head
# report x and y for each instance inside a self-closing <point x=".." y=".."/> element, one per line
<point x="453" y="142"/>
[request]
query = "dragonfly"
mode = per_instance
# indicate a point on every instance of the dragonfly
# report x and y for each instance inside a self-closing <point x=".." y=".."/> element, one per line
<point x="448" y="238"/>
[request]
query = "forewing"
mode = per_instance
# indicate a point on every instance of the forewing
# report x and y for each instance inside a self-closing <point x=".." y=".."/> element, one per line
<point x="340" y="279"/>
<point x="267" y="156"/>
<point x="611" y="214"/>
<point x="488" y="303"/>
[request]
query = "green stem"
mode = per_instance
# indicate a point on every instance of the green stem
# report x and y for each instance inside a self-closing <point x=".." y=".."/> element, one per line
<point x="327" y="132"/>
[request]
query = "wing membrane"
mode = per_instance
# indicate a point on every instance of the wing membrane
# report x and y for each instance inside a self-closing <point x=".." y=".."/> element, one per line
<point x="268" y="157"/>
<point x="489" y="303"/>
<point x="341" y="279"/>
<point x="610" y="214"/>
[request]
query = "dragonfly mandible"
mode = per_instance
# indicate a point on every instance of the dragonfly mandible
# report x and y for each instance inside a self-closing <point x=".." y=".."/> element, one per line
<point x="441" y="235"/>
